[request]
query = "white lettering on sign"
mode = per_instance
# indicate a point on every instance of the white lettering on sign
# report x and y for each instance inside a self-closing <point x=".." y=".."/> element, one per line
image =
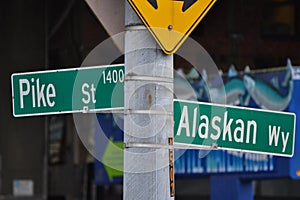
<point x="216" y="127"/>
<point x="113" y="76"/>
<point x="40" y="97"/>
<point x="184" y="122"/>
<point x="221" y="127"/>
<point x="89" y="92"/>
<point x="22" y="91"/>
<point x="274" y="133"/>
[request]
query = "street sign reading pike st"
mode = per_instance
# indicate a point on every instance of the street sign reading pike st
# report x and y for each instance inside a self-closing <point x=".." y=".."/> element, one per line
<point x="234" y="128"/>
<point x="171" y="21"/>
<point x="68" y="90"/>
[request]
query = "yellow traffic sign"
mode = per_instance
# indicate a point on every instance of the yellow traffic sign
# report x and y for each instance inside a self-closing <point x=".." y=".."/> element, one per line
<point x="171" y="21"/>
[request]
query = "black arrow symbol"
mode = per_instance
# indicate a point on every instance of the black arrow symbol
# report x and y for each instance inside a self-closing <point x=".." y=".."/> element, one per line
<point x="187" y="4"/>
<point x="153" y="3"/>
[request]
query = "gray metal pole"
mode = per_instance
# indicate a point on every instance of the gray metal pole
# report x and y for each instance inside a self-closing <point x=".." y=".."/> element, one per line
<point x="148" y="113"/>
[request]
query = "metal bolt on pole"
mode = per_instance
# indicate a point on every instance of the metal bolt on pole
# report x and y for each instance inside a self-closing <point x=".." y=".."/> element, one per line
<point x="148" y="113"/>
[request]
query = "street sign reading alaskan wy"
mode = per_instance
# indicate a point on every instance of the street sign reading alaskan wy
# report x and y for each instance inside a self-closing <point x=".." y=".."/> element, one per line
<point x="171" y="21"/>
<point x="68" y="91"/>
<point x="234" y="128"/>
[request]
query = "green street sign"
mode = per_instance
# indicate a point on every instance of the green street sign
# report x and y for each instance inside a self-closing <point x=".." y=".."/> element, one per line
<point x="234" y="128"/>
<point x="68" y="91"/>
